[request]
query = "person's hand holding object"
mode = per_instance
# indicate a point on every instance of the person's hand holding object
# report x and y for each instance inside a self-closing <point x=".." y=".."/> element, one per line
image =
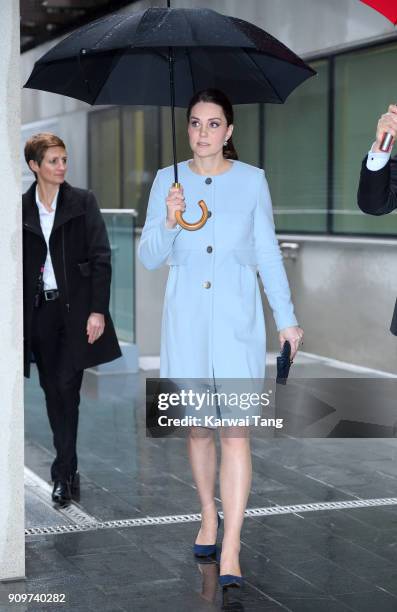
<point x="387" y="124"/>
<point x="175" y="201"/>
<point x="95" y="326"/>
<point x="294" y="335"/>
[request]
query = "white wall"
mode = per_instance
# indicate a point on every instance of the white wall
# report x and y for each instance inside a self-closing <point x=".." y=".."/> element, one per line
<point x="12" y="540"/>
<point x="344" y="292"/>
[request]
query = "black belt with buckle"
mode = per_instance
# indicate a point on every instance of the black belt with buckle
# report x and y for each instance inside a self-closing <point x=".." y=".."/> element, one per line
<point x="51" y="294"/>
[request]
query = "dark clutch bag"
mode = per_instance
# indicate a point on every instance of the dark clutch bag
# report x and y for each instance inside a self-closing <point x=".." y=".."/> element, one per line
<point x="283" y="364"/>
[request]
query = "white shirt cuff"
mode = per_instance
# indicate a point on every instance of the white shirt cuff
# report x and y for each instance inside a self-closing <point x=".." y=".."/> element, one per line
<point x="378" y="160"/>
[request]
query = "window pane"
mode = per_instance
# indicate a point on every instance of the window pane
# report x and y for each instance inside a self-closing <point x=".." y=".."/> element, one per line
<point x="104" y="157"/>
<point x="246" y="133"/>
<point x="120" y="227"/>
<point x="182" y="140"/>
<point x="141" y="151"/>
<point x="364" y="87"/>
<point x="296" y="149"/>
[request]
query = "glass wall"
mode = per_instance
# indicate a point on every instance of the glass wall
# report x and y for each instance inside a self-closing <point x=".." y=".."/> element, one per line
<point x="296" y="155"/>
<point x="141" y="156"/>
<point x="182" y="143"/>
<point x="311" y="147"/>
<point x="247" y="133"/>
<point x="120" y="228"/>
<point x="105" y="157"/>
<point x="365" y="85"/>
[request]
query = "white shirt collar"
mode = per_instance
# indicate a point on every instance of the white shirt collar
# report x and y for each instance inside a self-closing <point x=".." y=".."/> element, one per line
<point x="53" y="203"/>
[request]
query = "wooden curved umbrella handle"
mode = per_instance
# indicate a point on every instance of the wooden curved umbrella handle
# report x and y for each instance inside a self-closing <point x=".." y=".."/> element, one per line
<point x="198" y="224"/>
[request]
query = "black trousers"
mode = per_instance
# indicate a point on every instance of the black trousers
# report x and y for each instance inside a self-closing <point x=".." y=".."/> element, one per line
<point x="60" y="382"/>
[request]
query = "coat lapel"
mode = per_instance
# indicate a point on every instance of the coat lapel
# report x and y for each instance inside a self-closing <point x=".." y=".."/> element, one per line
<point x="31" y="219"/>
<point x="68" y="206"/>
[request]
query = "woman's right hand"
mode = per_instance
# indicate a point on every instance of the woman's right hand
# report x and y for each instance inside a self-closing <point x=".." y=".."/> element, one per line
<point x="175" y="201"/>
<point x="387" y="123"/>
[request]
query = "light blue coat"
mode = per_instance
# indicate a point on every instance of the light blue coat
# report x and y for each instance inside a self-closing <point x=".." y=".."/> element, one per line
<point x="216" y="330"/>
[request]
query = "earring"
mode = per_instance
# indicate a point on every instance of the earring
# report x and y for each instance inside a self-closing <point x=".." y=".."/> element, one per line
<point x="225" y="143"/>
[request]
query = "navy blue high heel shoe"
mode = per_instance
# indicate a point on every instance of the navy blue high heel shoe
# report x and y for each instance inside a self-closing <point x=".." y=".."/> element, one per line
<point x="206" y="550"/>
<point x="228" y="580"/>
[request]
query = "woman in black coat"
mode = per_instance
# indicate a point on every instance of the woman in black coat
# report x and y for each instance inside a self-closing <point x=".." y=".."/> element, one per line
<point x="66" y="282"/>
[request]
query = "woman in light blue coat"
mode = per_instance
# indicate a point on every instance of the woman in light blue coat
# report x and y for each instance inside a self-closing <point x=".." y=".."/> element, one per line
<point x="213" y="323"/>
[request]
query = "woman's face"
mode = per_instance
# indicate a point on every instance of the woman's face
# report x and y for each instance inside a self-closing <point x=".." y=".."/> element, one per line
<point x="53" y="166"/>
<point x="208" y="129"/>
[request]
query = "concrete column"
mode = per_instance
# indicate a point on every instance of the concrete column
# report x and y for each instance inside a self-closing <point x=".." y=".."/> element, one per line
<point x="12" y="541"/>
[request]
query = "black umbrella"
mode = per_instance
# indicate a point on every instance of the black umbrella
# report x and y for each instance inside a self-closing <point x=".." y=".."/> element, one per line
<point x="162" y="56"/>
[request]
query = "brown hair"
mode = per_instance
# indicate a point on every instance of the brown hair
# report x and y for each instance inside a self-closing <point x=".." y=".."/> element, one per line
<point x="37" y="145"/>
<point x="217" y="97"/>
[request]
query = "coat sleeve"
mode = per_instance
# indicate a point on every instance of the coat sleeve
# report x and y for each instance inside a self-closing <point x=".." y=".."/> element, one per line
<point x="157" y="240"/>
<point x="270" y="261"/>
<point x="377" y="190"/>
<point x="99" y="257"/>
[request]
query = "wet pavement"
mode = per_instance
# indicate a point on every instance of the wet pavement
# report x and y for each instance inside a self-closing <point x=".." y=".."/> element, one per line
<point x="302" y="560"/>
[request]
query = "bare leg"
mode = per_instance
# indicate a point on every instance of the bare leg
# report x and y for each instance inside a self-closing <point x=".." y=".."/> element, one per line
<point x="202" y="455"/>
<point x="235" y="484"/>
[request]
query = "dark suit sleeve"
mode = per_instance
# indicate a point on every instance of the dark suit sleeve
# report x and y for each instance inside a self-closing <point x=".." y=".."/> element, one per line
<point x="377" y="190"/>
<point x="99" y="257"/>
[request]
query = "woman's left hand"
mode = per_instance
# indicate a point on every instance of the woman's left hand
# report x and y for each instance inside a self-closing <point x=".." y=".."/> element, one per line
<point x="294" y="335"/>
<point x="95" y="326"/>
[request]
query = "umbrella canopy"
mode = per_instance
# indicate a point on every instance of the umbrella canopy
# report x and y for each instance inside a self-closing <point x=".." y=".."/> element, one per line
<point x="123" y="59"/>
<point x="163" y="56"/>
<point x="388" y="8"/>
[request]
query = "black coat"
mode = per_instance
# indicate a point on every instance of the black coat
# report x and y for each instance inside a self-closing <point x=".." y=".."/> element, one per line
<point x="377" y="195"/>
<point x="80" y="255"/>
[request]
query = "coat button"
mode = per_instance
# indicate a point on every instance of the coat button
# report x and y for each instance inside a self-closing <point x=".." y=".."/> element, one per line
<point x="209" y="214"/>
<point x="209" y="249"/>
<point x="207" y="285"/>
<point x="208" y="181"/>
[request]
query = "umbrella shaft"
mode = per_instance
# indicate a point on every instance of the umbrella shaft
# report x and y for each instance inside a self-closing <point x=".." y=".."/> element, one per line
<point x="172" y="93"/>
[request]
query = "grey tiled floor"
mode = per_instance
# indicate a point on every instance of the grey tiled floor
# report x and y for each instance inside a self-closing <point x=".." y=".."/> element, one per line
<point x="311" y="562"/>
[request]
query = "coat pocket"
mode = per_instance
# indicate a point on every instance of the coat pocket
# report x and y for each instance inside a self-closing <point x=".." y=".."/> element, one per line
<point x="85" y="268"/>
<point x="178" y="258"/>
<point x="246" y="272"/>
<point x="245" y="257"/>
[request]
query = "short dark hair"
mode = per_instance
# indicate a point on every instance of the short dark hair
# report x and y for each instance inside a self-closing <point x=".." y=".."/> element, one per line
<point x="216" y="96"/>
<point x="37" y="145"/>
